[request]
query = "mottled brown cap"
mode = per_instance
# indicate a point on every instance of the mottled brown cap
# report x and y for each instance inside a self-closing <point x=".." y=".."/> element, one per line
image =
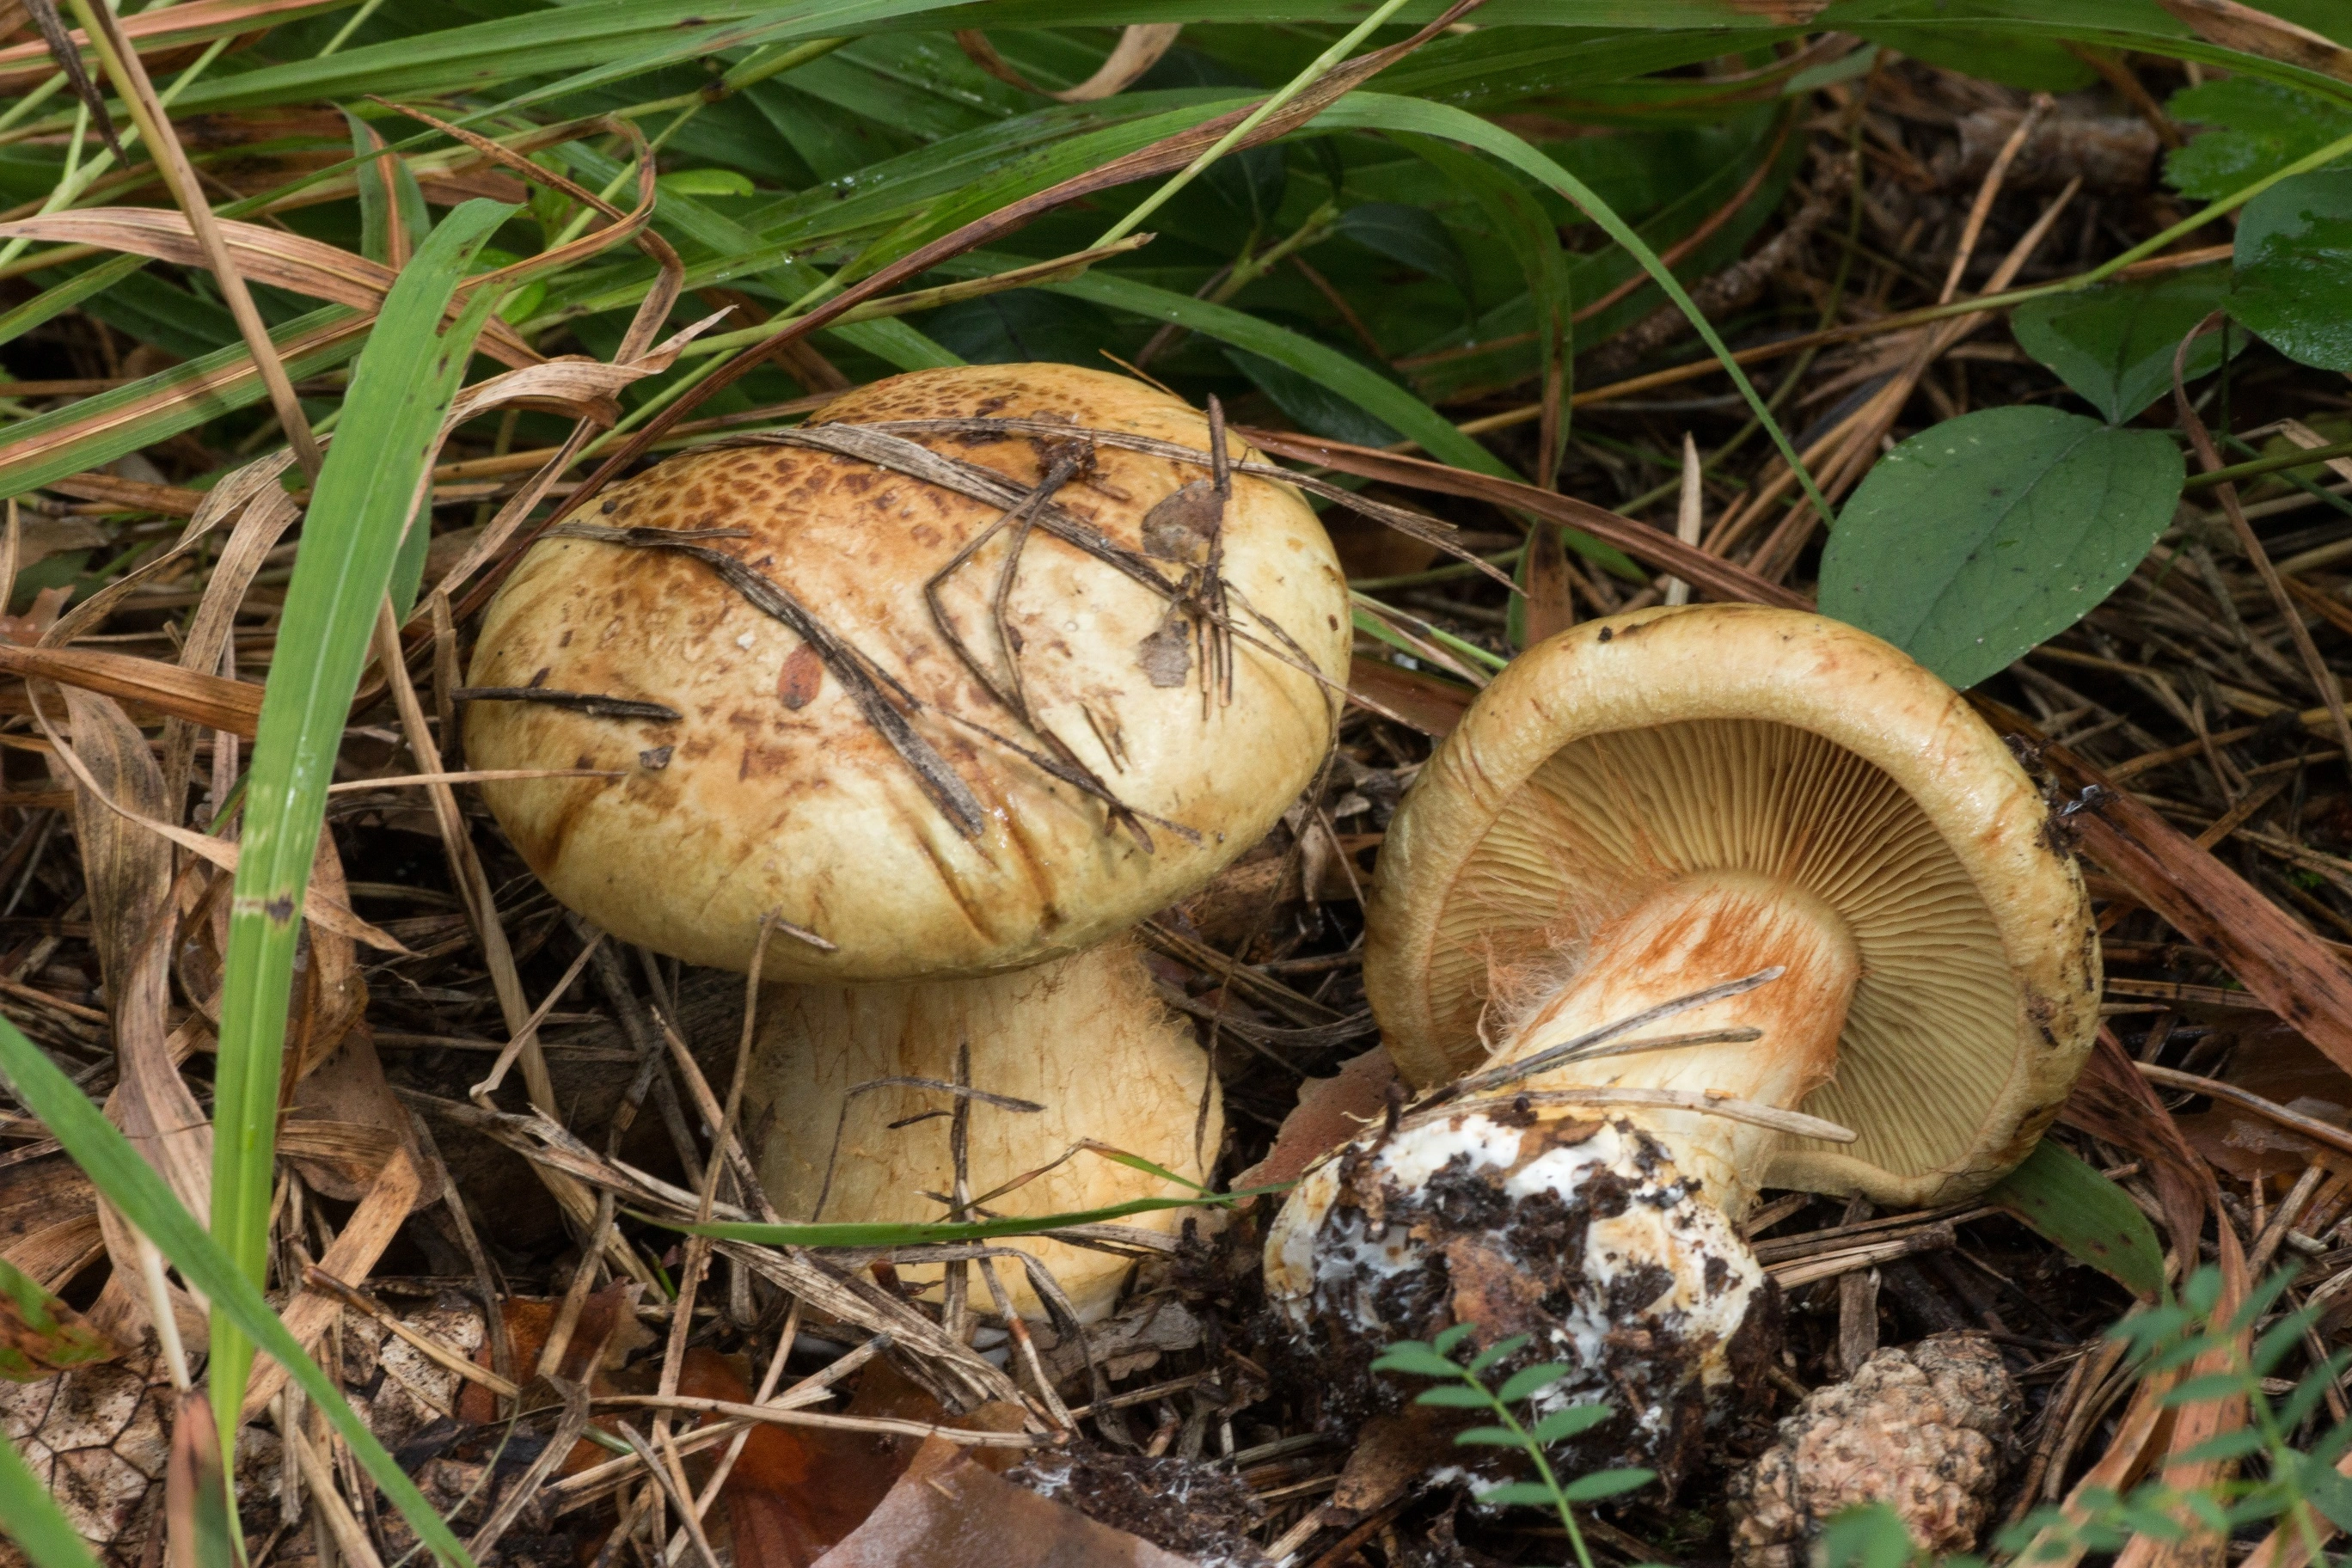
<point x="774" y="791"/>
<point x="1632" y="751"/>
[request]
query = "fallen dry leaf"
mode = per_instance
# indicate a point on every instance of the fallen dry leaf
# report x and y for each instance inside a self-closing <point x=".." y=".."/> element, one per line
<point x="949" y="1512"/>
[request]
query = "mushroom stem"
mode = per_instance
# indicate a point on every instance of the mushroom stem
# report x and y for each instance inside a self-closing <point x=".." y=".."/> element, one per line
<point x="1610" y="1236"/>
<point x="1698" y="933"/>
<point x="860" y="1082"/>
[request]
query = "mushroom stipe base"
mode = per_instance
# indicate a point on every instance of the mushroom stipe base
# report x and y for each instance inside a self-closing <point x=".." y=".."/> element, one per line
<point x="1582" y="1235"/>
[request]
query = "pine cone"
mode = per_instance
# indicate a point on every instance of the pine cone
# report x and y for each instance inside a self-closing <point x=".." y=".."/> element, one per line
<point x="1923" y="1428"/>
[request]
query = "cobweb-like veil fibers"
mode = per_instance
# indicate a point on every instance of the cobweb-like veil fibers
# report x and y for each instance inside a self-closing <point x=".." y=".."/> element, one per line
<point x="1930" y="1038"/>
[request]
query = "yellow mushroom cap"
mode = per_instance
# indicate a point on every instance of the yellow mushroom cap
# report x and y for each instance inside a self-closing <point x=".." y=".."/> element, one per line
<point x="774" y="791"/>
<point x="1632" y="751"/>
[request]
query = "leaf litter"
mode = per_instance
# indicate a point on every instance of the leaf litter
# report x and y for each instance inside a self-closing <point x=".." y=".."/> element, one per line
<point x="2195" y="696"/>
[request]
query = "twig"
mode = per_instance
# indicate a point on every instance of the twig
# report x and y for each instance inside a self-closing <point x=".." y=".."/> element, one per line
<point x="592" y="703"/>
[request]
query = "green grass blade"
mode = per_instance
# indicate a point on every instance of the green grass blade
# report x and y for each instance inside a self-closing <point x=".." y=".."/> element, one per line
<point x="132" y="1185"/>
<point x="56" y="300"/>
<point x="1384" y="112"/>
<point x="358" y="509"/>
<point x="97" y="430"/>
<point x="1368" y="389"/>
<point x="34" y="1520"/>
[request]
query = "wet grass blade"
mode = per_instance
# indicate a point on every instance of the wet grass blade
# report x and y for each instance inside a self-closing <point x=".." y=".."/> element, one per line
<point x="400" y="391"/>
<point x="132" y="1185"/>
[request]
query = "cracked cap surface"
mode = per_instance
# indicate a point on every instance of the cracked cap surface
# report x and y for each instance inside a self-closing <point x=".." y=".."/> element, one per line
<point x="772" y="792"/>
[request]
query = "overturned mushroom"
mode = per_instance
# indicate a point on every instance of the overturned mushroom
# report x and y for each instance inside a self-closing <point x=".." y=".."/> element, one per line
<point x="1744" y="897"/>
<point x="959" y="704"/>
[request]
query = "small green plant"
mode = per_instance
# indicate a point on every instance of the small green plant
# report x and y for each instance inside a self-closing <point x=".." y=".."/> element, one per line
<point x="1465" y="1387"/>
<point x="2277" y="1478"/>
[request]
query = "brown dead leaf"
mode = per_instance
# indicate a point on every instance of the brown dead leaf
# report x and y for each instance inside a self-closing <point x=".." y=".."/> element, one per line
<point x="1550" y="606"/>
<point x="1330" y="1110"/>
<point x="949" y="1512"/>
<point x="2237" y="27"/>
<point x="40" y="1334"/>
<point x="1138" y="49"/>
<point x="2277" y="1063"/>
<point x="1424" y="703"/>
<point x="1182" y="524"/>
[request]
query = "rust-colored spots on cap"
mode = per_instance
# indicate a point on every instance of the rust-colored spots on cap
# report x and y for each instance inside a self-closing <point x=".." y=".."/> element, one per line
<point x="803" y="678"/>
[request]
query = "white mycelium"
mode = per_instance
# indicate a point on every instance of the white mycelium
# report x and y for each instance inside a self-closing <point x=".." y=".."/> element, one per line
<point x="1661" y="1284"/>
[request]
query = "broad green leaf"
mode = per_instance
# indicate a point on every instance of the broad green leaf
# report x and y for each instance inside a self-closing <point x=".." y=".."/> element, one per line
<point x="1314" y="405"/>
<point x="2203" y="1292"/>
<point x="1252" y="182"/>
<point x="2252" y="128"/>
<point x="149" y="310"/>
<point x="2326" y="18"/>
<point x="1606" y="1484"/>
<point x="2278" y="1341"/>
<point x="35" y="1522"/>
<point x="1411" y="235"/>
<point x="40" y="1334"/>
<point x="1520" y="1494"/>
<point x="1575" y="1421"/>
<point x="133" y="1186"/>
<point x="360" y="508"/>
<point x="1021" y="325"/>
<point x="2113" y="344"/>
<point x="1981" y="536"/>
<point x="2093" y="1219"/>
<point x="2313" y="1387"/>
<point x="1530" y="1380"/>
<point x="2293" y="283"/>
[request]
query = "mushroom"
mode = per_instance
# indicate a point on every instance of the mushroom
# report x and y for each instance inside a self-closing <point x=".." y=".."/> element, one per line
<point x="968" y="675"/>
<point x="1702" y="901"/>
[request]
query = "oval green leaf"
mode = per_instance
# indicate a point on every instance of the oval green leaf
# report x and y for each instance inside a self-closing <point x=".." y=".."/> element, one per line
<point x="1981" y="536"/>
<point x="2293" y="282"/>
<point x="2114" y="346"/>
